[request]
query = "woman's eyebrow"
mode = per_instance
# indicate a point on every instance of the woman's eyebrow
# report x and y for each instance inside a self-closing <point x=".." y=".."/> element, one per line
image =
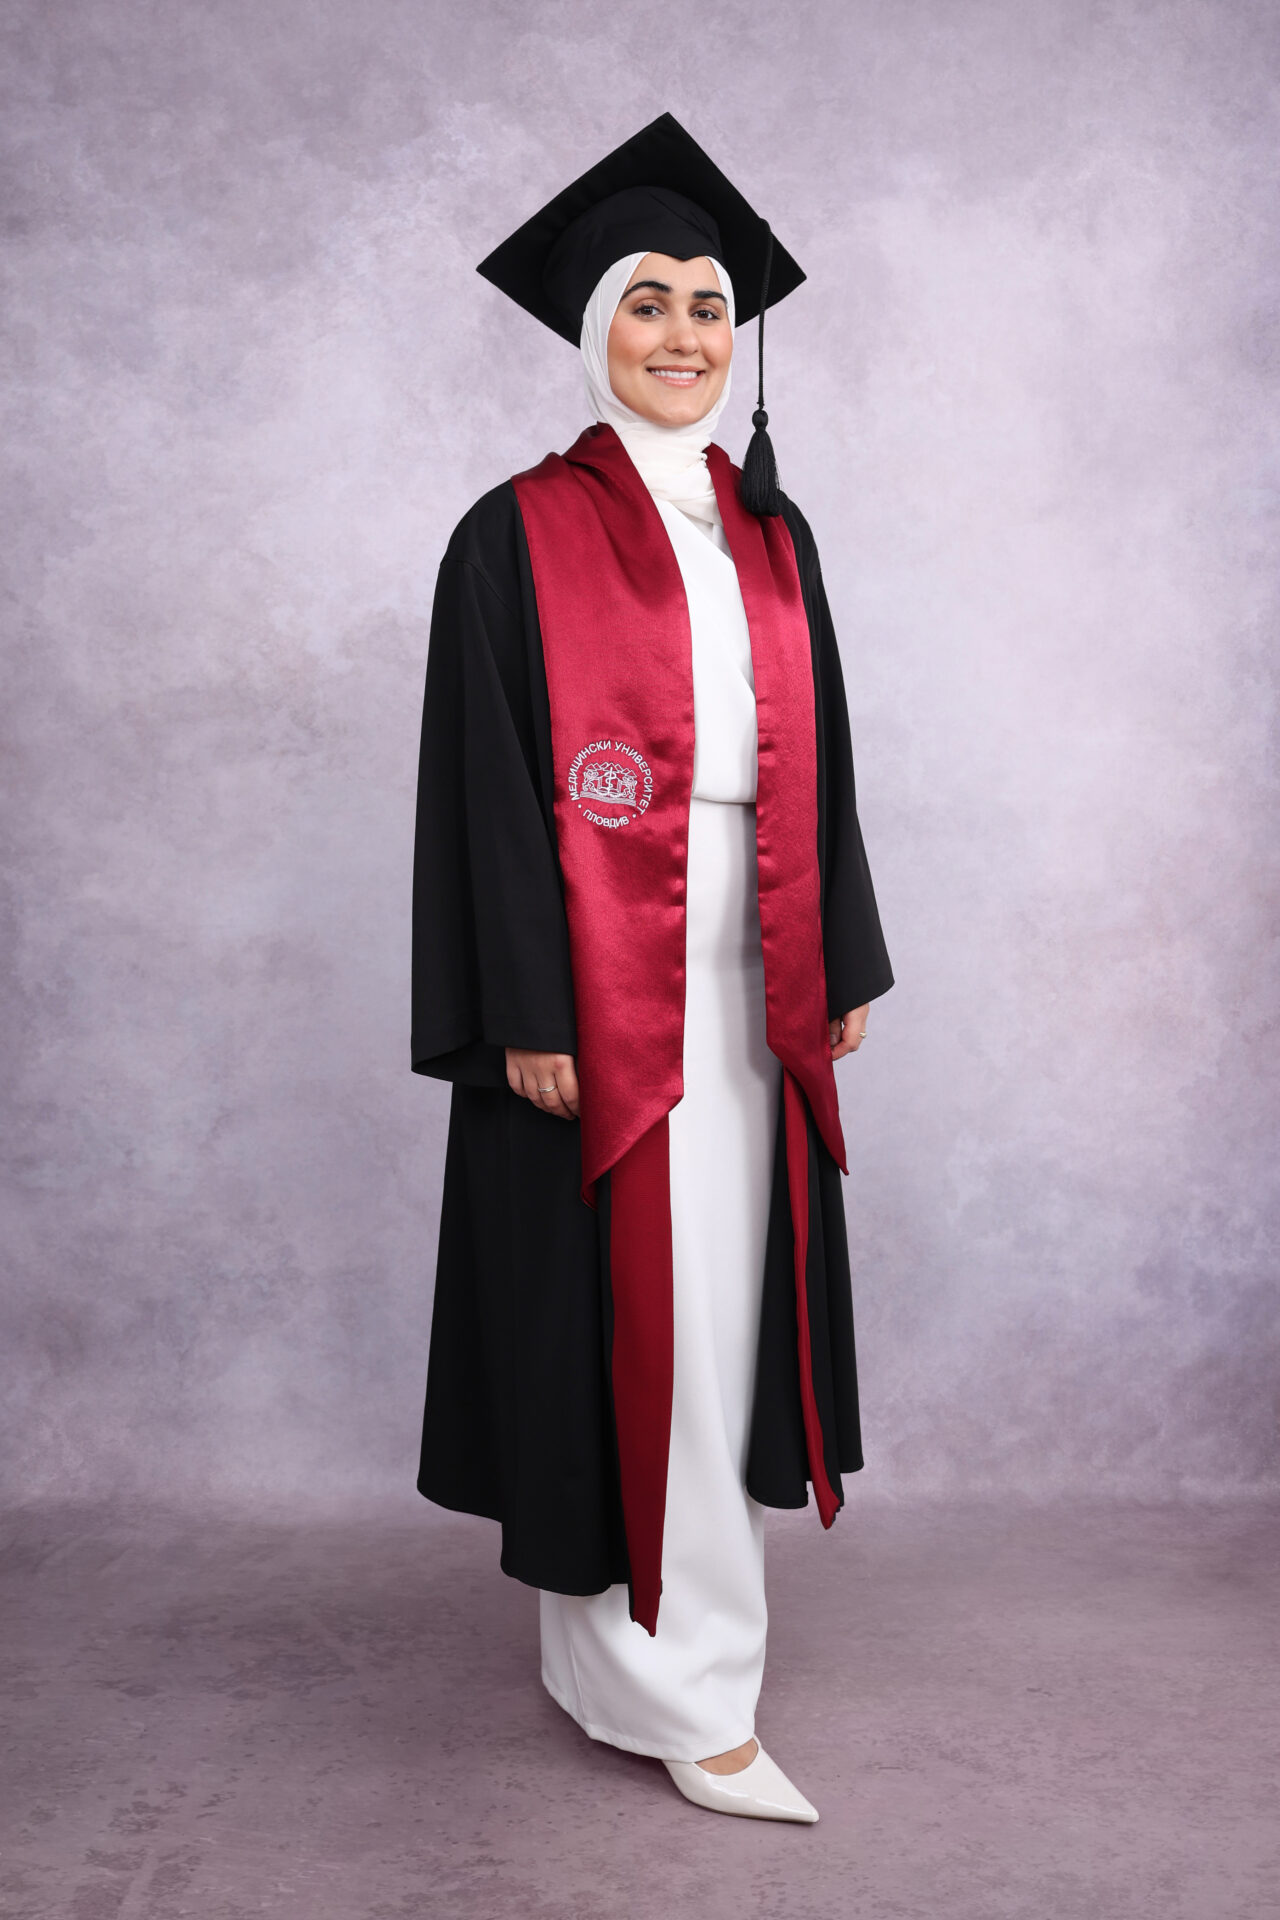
<point x="660" y="286"/>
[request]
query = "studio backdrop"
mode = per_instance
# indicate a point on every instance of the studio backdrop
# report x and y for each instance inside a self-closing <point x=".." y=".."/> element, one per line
<point x="1027" y="400"/>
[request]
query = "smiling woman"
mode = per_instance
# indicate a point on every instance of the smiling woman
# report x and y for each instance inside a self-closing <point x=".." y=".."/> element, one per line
<point x="671" y="340"/>
<point x="634" y="322"/>
<point x="644" y="932"/>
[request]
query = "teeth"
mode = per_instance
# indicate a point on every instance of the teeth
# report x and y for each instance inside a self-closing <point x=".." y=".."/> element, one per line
<point x="677" y="378"/>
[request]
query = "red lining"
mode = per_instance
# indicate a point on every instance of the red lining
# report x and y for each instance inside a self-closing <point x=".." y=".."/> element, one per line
<point x="798" y="1188"/>
<point x="643" y="1353"/>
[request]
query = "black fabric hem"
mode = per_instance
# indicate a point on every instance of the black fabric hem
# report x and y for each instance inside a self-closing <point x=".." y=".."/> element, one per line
<point x="473" y="1057"/>
<point x="796" y="1504"/>
<point x="549" y="1583"/>
<point x="458" y="1503"/>
<point x="514" y="1565"/>
<point x="859" y="995"/>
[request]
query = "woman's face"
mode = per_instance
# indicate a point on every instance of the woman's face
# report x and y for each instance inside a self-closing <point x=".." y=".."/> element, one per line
<point x="670" y="342"/>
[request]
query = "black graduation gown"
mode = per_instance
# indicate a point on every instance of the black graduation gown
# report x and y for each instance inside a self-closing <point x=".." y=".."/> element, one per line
<point x="518" y="1420"/>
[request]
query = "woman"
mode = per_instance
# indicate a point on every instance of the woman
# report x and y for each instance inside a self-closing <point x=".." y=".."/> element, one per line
<point x="644" y="931"/>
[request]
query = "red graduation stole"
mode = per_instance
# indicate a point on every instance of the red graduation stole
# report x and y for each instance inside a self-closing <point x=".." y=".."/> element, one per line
<point x="618" y="652"/>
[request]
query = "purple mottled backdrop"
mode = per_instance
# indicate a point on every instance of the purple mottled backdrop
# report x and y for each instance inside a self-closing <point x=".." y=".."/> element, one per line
<point x="1027" y="398"/>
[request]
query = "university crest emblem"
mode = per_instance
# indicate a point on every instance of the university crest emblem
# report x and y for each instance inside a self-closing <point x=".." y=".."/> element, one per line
<point x="610" y="782"/>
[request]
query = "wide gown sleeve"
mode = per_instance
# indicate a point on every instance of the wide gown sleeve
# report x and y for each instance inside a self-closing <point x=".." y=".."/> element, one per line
<point x="854" y="953"/>
<point x="490" y="936"/>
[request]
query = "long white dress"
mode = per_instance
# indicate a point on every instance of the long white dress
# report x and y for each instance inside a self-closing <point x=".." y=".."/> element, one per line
<point x="690" y="1691"/>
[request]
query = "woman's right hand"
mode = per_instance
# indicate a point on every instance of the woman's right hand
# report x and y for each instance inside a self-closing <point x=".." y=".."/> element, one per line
<point x="530" y="1074"/>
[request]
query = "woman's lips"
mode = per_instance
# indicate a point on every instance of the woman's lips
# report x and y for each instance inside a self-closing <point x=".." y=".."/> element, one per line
<point x="677" y="376"/>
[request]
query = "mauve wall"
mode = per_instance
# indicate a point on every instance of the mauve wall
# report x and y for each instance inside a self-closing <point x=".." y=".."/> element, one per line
<point x="1028" y="400"/>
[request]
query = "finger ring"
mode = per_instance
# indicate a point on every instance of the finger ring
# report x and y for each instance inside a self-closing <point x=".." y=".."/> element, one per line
<point x="550" y="1089"/>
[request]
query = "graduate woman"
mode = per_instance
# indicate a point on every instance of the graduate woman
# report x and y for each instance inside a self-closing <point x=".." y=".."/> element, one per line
<point x="644" y="931"/>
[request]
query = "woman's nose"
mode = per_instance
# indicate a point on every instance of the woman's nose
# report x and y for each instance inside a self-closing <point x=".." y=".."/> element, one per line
<point x="682" y="337"/>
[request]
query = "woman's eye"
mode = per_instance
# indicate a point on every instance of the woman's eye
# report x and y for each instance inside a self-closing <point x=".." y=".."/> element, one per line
<point x="647" y="307"/>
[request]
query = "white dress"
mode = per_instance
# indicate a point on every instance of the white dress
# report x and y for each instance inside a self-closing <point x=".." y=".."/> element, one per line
<point x="690" y="1691"/>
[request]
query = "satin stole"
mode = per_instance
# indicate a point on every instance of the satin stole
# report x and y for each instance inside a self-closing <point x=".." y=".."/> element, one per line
<point x="618" y="650"/>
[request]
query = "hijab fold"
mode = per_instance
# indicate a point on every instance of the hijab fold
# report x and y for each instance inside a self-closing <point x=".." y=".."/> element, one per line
<point x="672" y="461"/>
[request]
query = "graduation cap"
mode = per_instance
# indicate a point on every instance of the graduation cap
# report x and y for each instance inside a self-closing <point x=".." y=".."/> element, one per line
<point x="660" y="193"/>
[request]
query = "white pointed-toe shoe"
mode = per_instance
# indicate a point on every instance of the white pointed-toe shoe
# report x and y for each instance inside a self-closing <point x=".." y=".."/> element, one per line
<point x="759" y="1791"/>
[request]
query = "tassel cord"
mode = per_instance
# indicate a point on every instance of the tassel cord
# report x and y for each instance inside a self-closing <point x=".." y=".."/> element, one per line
<point x="760" y="489"/>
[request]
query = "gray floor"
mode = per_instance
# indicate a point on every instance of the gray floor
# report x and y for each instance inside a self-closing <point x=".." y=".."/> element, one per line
<point x="999" y="1710"/>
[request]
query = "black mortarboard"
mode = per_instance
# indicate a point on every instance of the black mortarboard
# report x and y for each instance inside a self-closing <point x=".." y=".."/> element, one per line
<point x="661" y="193"/>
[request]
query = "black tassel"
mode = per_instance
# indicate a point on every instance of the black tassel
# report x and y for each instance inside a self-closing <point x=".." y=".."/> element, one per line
<point x="759" y="489"/>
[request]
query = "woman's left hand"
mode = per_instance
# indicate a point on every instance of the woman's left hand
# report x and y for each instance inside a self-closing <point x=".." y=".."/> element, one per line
<point x="847" y="1035"/>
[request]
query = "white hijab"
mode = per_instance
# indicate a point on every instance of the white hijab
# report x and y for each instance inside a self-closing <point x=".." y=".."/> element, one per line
<point x="672" y="461"/>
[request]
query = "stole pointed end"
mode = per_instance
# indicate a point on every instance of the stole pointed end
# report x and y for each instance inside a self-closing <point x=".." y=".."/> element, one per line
<point x="828" y="1506"/>
<point x="644" y="1611"/>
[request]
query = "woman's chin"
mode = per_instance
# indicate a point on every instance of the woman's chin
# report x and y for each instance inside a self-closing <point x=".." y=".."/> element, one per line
<point x="676" y="409"/>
